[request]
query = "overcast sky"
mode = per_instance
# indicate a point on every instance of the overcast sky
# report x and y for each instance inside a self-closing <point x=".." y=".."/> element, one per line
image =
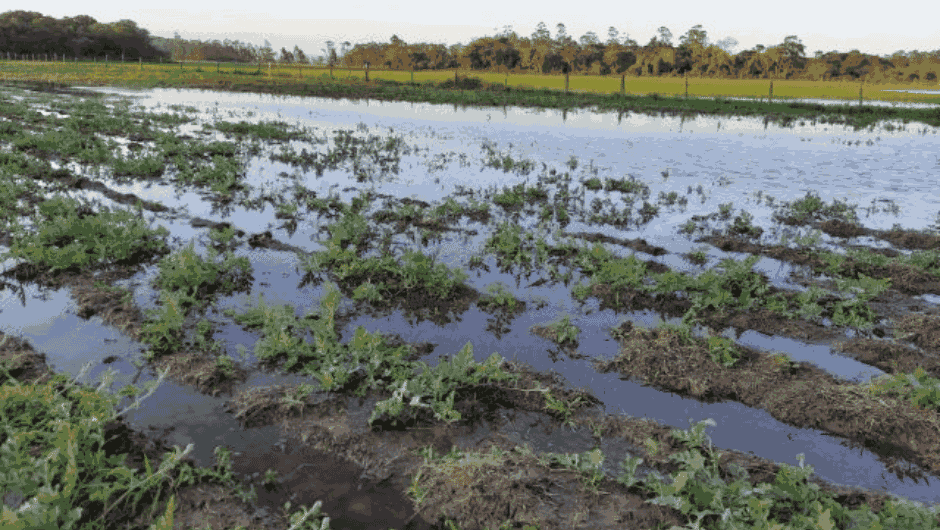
<point x="820" y="25"/>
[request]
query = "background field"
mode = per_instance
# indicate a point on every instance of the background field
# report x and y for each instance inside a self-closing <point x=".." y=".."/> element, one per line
<point x="215" y="74"/>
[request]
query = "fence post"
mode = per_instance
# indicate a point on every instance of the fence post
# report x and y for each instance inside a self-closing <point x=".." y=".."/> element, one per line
<point x="623" y="79"/>
<point x="860" y="94"/>
<point x="687" y="85"/>
<point x="412" y="75"/>
<point x="771" y="97"/>
<point x="507" y="76"/>
<point x="367" y="72"/>
<point x="566" y="81"/>
<point x="455" y="76"/>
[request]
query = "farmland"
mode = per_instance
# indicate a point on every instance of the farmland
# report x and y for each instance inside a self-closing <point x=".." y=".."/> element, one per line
<point x="400" y="314"/>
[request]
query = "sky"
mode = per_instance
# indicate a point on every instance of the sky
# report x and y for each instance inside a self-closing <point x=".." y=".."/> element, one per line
<point x="820" y="25"/>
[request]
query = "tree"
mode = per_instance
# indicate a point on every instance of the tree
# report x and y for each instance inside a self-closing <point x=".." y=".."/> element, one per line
<point x="266" y="53"/>
<point x="589" y="38"/>
<point x="613" y="36"/>
<point x="286" y="56"/>
<point x="793" y="48"/>
<point x="300" y="56"/>
<point x="727" y="44"/>
<point x="695" y="36"/>
<point x="331" y="58"/>
<point x="561" y="33"/>
<point x="665" y="36"/>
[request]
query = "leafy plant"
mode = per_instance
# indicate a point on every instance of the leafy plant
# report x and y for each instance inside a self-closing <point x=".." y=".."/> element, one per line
<point x="66" y="235"/>
<point x="722" y="351"/>
<point x="499" y="297"/>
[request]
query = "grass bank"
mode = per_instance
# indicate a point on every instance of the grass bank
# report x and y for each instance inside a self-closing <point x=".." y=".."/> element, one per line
<point x="674" y="96"/>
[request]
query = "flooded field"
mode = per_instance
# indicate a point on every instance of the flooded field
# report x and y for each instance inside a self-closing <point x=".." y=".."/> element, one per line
<point x="424" y="316"/>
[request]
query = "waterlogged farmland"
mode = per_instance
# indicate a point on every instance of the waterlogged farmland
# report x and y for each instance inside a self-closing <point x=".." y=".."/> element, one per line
<point x="408" y="315"/>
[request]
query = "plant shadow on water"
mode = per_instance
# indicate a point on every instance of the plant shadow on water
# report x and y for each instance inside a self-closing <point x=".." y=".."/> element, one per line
<point x="328" y="340"/>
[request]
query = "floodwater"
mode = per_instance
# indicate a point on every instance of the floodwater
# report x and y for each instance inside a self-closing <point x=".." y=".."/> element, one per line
<point x="889" y="172"/>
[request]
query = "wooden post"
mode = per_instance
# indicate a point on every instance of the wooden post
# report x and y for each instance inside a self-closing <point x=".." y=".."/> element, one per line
<point x="507" y="76"/>
<point x="412" y="75"/>
<point x="367" y="72"/>
<point x="140" y="62"/>
<point x="455" y="76"/>
<point x="623" y="80"/>
<point x="686" y="85"/>
<point x="771" y="97"/>
<point x="566" y="81"/>
<point x="859" y="94"/>
<point x="105" y="60"/>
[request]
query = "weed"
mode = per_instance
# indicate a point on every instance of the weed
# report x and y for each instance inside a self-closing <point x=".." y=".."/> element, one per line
<point x="688" y="228"/>
<point x="724" y="210"/>
<point x="722" y="351"/>
<point x="699" y="256"/>
<point x="854" y="313"/>
<point x="630" y="185"/>
<point x="589" y="464"/>
<point x="66" y="236"/>
<point x="274" y="130"/>
<point x="79" y="483"/>
<point x="146" y="166"/>
<point x="593" y="184"/>
<point x="742" y="225"/>
<point x="499" y="297"/>
<point x="560" y="407"/>
<point x="564" y="331"/>
<point x="199" y="278"/>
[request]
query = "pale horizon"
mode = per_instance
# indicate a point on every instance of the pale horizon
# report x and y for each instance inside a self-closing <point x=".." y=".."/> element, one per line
<point x="361" y="21"/>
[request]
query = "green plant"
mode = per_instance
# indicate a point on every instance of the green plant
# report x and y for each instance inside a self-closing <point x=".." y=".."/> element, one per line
<point x="560" y="407"/>
<point x="54" y="456"/>
<point x="65" y="235"/>
<point x="198" y="278"/>
<point x="225" y="365"/>
<point x="722" y="351"/>
<point x="593" y="184"/>
<point x="439" y="385"/>
<point x="298" y="519"/>
<point x="369" y="291"/>
<point x="222" y="236"/>
<point x="565" y="331"/>
<point x="589" y="464"/>
<point x="499" y="297"/>
<point x="163" y="328"/>
<point x="724" y="210"/>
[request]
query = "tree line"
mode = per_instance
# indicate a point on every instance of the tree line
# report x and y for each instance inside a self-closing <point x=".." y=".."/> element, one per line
<point x="32" y="33"/>
<point x="694" y="54"/>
